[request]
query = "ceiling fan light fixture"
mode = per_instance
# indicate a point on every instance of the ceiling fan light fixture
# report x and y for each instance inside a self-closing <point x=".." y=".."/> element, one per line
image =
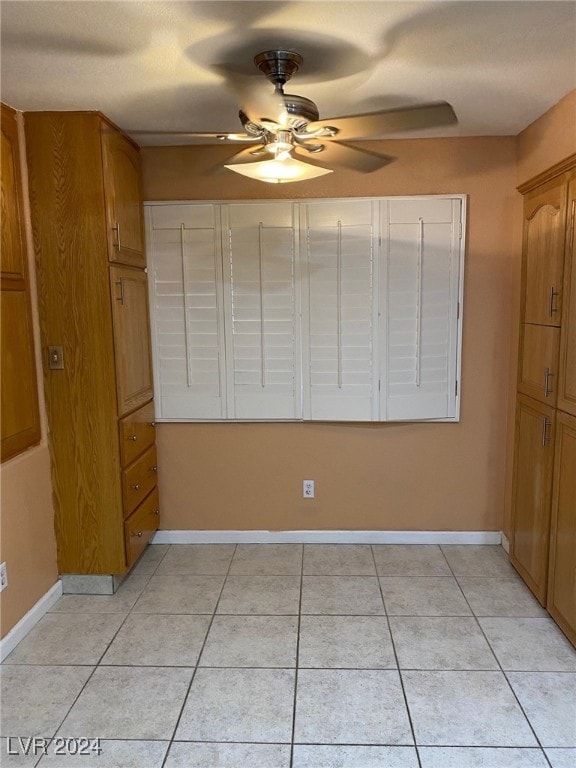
<point x="279" y="170"/>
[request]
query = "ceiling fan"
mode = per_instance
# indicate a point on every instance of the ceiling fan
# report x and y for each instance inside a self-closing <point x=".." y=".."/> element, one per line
<point x="282" y="125"/>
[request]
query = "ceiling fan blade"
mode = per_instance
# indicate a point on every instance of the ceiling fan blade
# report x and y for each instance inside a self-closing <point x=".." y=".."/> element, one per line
<point x="250" y="155"/>
<point x="371" y="125"/>
<point x="338" y="153"/>
<point x="257" y="99"/>
<point x="225" y="138"/>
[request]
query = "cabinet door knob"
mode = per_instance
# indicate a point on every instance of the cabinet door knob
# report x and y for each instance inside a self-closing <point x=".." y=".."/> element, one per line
<point x="139" y="534"/>
<point x="151" y="423"/>
<point x="156" y="511"/>
<point x="133" y="438"/>
<point x="154" y="469"/>
<point x="135" y="487"/>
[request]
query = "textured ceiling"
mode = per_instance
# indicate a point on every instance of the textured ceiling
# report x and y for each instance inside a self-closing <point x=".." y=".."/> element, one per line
<point x="168" y="65"/>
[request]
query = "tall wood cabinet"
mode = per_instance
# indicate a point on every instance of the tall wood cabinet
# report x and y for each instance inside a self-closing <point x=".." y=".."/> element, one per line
<point x="20" y="423"/>
<point x="86" y="208"/>
<point x="543" y="535"/>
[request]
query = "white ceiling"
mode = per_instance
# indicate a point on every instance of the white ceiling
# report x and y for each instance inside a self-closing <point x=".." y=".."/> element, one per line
<point x="158" y="65"/>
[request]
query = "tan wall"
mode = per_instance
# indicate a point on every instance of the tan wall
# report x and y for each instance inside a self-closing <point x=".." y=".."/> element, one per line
<point x="548" y="140"/>
<point x="408" y="476"/>
<point x="27" y="540"/>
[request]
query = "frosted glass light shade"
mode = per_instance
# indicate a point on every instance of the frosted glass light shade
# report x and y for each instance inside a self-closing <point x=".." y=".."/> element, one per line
<point x="279" y="171"/>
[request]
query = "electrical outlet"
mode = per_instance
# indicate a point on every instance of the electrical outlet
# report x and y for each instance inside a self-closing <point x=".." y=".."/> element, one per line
<point x="308" y="489"/>
<point x="3" y="577"/>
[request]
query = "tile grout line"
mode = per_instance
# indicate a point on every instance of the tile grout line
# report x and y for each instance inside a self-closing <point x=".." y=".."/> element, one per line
<point x="408" y="713"/>
<point x="179" y="718"/>
<point x="503" y="673"/>
<point x="299" y="622"/>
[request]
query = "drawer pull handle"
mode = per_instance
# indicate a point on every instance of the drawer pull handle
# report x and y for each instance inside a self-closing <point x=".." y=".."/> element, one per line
<point x="546" y="437"/>
<point x="551" y="308"/>
<point x="156" y="511"/>
<point x="135" y="487"/>
<point x="133" y="438"/>
<point x="547" y="376"/>
<point x="139" y="534"/>
<point x="154" y="469"/>
<point x="152" y="424"/>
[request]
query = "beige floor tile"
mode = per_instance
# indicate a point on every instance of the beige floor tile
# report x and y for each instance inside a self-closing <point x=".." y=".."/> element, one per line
<point x="500" y="597"/>
<point x="150" y="559"/>
<point x="410" y="560"/>
<point x="203" y="559"/>
<point x="549" y="701"/>
<point x="438" y="642"/>
<point x="67" y="638"/>
<point x="347" y="595"/>
<point x="251" y="641"/>
<point x="534" y="645"/>
<point x="140" y="703"/>
<point x="345" y="706"/>
<point x="244" y="705"/>
<point x="482" y="560"/>
<point x="307" y="756"/>
<point x="355" y="642"/>
<point x="158" y="640"/>
<point x="561" y="758"/>
<point x="36" y="699"/>
<point x="481" y="757"/>
<point x="338" y="560"/>
<point x="180" y="593"/>
<point x="20" y="753"/>
<point x="114" y="754"/>
<point x="272" y="595"/>
<point x="423" y="596"/>
<point x="465" y="709"/>
<point x="188" y="755"/>
<point x="267" y="560"/>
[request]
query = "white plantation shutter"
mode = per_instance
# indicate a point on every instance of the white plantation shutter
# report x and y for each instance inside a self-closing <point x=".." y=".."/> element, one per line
<point x="339" y="246"/>
<point x="186" y="308"/>
<point x="420" y="290"/>
<point x="343" y="310"/>
<point x="263" y="345"/>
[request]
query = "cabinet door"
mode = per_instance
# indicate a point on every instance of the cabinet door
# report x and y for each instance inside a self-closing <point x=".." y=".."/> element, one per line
<point x="544" y="221"/>
<point x="20" y="422"/>
<point x="533" y="462"/>
<point x="538" y="369"/>
<point x="567" y="363"/>
<point x="123" y="192"/>
<point x="562" y="579"/>
<point x="129" y="291"/>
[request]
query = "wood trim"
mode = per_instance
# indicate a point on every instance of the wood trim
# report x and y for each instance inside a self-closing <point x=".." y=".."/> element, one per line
<point x="550" y="173"/>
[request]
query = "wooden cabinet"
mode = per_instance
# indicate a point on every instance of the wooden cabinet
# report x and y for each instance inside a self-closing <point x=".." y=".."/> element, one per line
<point x="534" y="461"/>
<point x="562" y="581"/>
<point x="97" y="312"/>
<point x="567" y="362"/>
<point x="543" y="534"/>
<point x="20" y="423"/>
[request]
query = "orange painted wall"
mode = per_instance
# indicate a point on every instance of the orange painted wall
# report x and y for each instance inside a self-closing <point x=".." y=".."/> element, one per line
<point x="27" y="540"/>
<point x="383" y="476"/>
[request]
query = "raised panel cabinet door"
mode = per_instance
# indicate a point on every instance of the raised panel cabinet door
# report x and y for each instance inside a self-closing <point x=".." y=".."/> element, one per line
<point x="567" y="362"/>
<point x="123" y="193"/>
<point x="532" y="492"/>
<point x="562" y="577"/>
<point x="129" y="296"/>
<point x="538" y="368"/>
<point x="544" y="223"/>
<point x="13" y="250"/>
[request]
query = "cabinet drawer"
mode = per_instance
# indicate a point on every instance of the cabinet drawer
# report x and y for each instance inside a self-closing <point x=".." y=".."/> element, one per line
<point x="137" y="432"/>
<point x="138" y="480"/>
<point x="140" y="526"/>
<point x="538" y="370"/>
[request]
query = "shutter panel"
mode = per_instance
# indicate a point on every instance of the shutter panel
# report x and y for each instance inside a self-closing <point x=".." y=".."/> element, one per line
<point x="263" y="312"/>
<point x="339" y="245"/>
<point x="421" y="290"/>
<point x="186" y="304"/>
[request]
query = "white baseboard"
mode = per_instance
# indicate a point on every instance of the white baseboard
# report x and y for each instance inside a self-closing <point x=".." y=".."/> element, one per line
<point x="327" y="537"/>
<point x="27" y="622"/>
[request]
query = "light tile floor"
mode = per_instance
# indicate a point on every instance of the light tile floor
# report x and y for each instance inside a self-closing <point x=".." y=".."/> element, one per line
<point x="291" y="656"/>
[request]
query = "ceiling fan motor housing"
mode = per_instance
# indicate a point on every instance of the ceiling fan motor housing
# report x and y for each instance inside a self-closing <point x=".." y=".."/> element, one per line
<point x="279" y="66"/>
